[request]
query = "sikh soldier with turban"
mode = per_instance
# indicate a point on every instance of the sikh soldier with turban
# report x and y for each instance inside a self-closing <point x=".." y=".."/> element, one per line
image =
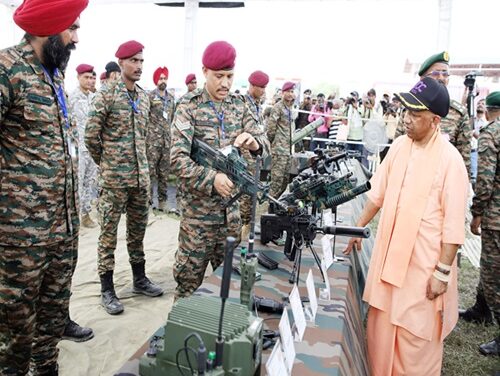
<point x="158" y="135"/>
<point x="116" y="140"/>
<point x="219" y="118"/>
<point x="39" y="187"/>
<point x="455" y="126"/>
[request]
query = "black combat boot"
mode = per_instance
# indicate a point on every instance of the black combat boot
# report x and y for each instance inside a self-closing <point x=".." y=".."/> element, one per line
<point x="491" y="348"/>
<point x="479" y="313"/>
<point x="109" y="300"/>
<point x="76" y="333"/>
<point x="142" y="285"/>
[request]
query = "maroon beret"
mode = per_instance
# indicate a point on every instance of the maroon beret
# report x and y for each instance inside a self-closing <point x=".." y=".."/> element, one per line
<point x="259" y="78"/>
<point x="48" y="17"/>
<point x="158" y="72"/>
<point x="288" y="86"/>
<point x="102" y="76"/>
<point x="190" y="77"/>
<point x="128" y="49"/>
<point x="84" y="68"/>
<point x="219" y="55"/>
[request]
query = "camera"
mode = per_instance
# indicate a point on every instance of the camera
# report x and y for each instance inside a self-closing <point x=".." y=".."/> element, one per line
<point x="470" y="80"/>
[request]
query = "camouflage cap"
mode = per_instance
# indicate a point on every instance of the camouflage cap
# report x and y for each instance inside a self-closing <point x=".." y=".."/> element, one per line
<point x="441" y="57"/>
<point x="493" y="100"/>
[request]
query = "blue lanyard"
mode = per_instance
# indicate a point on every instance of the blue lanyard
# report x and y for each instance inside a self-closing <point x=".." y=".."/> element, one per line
<point x="61" y="97"/>
<point x="220" y="116"/>
<point x="134" y="104"/>
<point x="164" y="99"/>
<point x="255" y="104"/>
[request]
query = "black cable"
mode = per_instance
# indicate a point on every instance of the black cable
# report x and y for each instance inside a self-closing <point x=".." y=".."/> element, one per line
<point x="187" y="356"/>
<point x="200" y="342"/>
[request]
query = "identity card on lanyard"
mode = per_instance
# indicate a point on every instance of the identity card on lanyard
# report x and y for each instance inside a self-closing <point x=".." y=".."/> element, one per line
<point x="61" y="100"/>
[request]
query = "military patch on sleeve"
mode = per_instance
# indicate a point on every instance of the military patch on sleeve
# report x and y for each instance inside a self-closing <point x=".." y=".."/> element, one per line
<point x="182" y="126"/>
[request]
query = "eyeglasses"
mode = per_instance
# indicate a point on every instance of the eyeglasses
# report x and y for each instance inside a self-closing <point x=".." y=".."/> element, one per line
<point x="437" y="73"/>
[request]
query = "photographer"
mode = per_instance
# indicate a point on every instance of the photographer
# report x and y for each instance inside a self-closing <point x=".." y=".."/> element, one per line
<point x="321" y="132"/>
<point x="355" y="124"/>
<point x="391" y="119"/>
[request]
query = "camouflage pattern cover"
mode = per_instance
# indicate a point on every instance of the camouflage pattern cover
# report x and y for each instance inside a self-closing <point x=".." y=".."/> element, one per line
<point x="116" y="137"/>
<point x="38" y="185"/>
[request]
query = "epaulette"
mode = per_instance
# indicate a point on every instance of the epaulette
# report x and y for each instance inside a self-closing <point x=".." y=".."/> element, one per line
<point x="458" y="106"/>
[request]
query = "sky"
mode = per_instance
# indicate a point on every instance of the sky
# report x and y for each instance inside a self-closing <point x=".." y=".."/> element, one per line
<point x="344" y="45"/>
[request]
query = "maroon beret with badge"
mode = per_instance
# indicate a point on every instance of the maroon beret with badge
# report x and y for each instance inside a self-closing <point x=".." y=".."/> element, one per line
<point x="48" y="17"/>
<point x="84" y="68"/>
<point x="128" y="49"/>
<point x="259" y="78"/>
<point x="102" y="76"/>
<point x="288" y="86"/>
<point x="190" y="77"/>
<point x="219" y="55"/>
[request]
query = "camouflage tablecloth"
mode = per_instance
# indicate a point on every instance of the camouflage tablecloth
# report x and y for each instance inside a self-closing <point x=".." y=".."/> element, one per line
<point x="334" y="344"/>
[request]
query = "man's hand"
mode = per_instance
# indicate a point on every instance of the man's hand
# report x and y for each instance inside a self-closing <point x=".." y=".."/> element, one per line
<point x="246" y="141"/>
<point x="353" y="242"/>
<point x="223" y="185"/>
<point x="475" y="225"/>
<point x="435" y="287"/>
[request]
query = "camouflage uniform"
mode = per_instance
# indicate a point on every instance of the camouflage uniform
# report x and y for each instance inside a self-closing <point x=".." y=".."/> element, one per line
<point x="486" y="204"/>
<point x="204" y="223"/>
<point x="38" y="213"/>
<point x="158" y="140"/>
<point x="116" y="140"/>
<point x="79" y="104"/>
<point x="456" y="125"/>
<point x="279" y="133"/>
<point x="246" y="200"/>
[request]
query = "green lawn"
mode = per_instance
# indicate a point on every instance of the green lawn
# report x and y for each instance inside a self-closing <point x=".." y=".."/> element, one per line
<point x="461" y="354"/>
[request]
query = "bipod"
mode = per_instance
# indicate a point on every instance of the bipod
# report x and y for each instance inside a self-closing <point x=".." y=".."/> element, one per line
<point x="295" y="274"/>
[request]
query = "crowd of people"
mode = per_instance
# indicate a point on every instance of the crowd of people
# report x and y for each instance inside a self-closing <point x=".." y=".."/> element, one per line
<point x="60" y="152"/>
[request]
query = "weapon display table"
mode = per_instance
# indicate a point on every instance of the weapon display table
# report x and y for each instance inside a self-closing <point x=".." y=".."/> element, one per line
<point x="334" y="344"/>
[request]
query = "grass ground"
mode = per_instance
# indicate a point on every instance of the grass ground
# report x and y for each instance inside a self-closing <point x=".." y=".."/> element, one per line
<point x="461" y="354"/>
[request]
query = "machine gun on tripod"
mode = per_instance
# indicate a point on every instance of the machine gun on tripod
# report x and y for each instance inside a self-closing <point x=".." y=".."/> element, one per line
<point x="301" y="229"/>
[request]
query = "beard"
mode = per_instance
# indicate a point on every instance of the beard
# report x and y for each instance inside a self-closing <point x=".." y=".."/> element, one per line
<point x="162" y="86"/>
<point x="55" y="54"/>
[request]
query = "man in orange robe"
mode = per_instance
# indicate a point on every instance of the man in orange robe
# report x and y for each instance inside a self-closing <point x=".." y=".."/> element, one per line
<point x="411" y="285"/>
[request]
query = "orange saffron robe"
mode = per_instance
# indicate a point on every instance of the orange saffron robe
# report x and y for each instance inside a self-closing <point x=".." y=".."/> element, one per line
<point x="442" y="221"/>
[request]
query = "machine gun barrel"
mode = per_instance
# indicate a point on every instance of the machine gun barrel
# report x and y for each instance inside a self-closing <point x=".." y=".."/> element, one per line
<point x="307" y="130"/>
<point x="357" y="232"/>
<point x="349" y="195"/>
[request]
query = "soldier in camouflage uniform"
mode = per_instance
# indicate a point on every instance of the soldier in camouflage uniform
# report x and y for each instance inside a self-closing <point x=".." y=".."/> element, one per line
<point x="38" y="188"/>
<point x="486" y="213"/>
<point x="258" y="81"/>
<point x="116" y="139"/>
<point x="158" y="135"/>
<point x="113" y="74"/>
<point x="456" y="125"/>
<point x="279" y="132"/>
<point x="79" y="104"/>
<point x="220" y="119"/>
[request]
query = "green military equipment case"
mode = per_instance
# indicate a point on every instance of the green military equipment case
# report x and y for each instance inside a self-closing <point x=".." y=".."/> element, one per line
<point x="242" y="332"/>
